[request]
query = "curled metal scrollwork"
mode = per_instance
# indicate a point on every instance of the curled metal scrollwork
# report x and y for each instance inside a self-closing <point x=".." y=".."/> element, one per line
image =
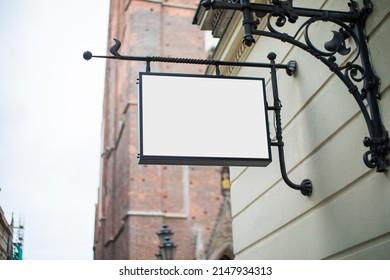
<point x="355" y="72"/>
<point x="280" y="22"/>
<point x="338" y="43"/>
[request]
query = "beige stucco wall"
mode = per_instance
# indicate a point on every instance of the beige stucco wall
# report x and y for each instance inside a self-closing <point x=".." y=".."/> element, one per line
<point x="348" y="214"/>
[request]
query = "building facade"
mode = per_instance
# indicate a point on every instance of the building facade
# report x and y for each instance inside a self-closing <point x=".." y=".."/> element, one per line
<point x="6" y="238"/>
<point x="347" y="215"/>
<point x="135" y="200"/>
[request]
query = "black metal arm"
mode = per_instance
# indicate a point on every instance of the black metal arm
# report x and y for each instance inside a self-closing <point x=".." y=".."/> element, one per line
<point x="289" y="67"/>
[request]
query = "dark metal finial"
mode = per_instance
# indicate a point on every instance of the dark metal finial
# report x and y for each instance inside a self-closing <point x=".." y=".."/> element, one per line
<point x="291" y="67"/>
<point x="115" y="48"/>
<point x="207" y="4"/>
<point x="248" y="40"/>
<point x="87" y="55"/>
<point x="306" y="187"/>
<point x="271" y="56"/>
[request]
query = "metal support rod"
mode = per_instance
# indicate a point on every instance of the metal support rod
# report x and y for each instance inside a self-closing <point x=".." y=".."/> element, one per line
<point x="148" y="59"/>
<point x="306" y="186"/>
<point x="247" y="23"/>
<point x="352" y="26"/>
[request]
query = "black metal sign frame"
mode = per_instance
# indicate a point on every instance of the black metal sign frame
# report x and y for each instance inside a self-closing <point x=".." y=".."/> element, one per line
<point x="164" y="140"/>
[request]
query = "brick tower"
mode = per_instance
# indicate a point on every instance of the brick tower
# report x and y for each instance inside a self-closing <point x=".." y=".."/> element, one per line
<point x="136" y="200"/>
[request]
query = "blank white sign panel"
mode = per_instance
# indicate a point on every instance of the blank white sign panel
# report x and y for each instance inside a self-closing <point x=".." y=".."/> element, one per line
<point x="203" y="120"/>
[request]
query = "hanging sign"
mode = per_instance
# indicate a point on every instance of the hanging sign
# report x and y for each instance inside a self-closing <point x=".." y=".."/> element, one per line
<point x="202" y="120"/>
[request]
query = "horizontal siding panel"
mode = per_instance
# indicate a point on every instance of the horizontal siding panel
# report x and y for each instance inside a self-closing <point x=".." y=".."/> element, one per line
<point x="321" y="118"/>
<point x="252" y="184"/>
<point x="385" y="108"/>
<point x="374" y="249"/>
<point x="358" y="214"/>
<point x="379" y="49"/>
<point x="380" y="12"/>
<point x="335" y="165"/>
<point x="279" y="206"/>
<point x="236" y="172"/>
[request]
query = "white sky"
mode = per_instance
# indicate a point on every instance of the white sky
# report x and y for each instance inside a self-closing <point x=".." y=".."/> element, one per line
<point x="50" y="118"/>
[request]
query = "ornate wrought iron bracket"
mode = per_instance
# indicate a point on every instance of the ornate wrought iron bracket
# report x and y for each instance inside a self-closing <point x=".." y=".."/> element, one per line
<point x="351" y="73"/>
<point x="306" y="186"/>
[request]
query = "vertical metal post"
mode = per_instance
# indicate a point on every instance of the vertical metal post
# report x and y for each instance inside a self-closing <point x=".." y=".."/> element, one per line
<point x="247" y="22"/>
<point x="370" y="91"/>
<point x="306" y="186"/>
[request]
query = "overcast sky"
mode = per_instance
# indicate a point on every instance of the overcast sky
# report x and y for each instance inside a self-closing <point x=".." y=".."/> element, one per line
<point x="50" y="121"/>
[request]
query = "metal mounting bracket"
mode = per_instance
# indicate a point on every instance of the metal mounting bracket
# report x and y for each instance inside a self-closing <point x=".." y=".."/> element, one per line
<point x="351" y="73"/>
<point x="306" y="186"/>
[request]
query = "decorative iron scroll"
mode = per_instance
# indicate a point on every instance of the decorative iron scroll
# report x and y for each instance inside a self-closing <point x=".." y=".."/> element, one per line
<point x="351" y="27"/>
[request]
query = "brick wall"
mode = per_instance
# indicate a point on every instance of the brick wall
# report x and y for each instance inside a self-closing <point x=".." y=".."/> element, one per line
<point x="136" y="200"/>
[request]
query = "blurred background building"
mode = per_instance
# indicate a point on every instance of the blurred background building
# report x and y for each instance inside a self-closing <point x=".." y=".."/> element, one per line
<point x="6" y="236"/>
<point x="11" y="238"/>
<point x="135" y="200"/>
